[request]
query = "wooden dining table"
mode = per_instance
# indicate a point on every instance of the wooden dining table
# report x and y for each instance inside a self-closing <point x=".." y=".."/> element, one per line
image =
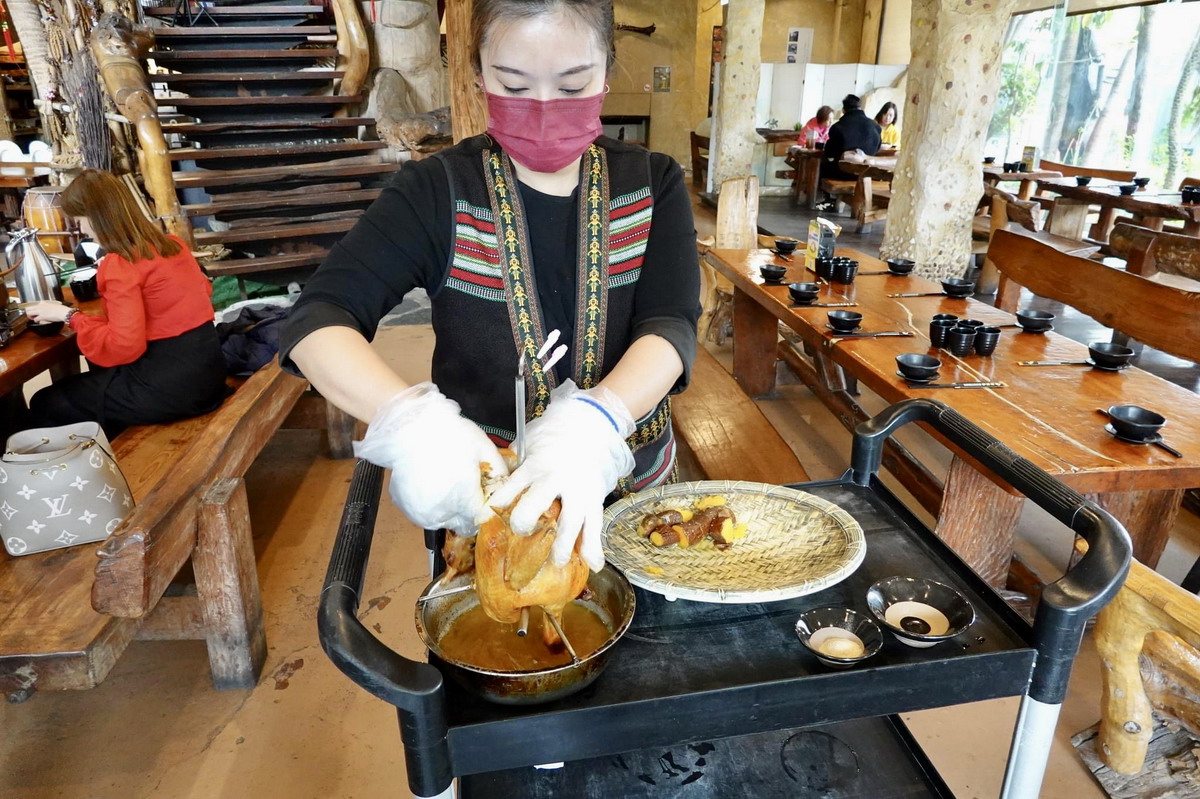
<point x="1149" y="207"/>
<point x="28" y="354"/>
<point x="1047" y="414"/>
<point x="1029" y="180"/>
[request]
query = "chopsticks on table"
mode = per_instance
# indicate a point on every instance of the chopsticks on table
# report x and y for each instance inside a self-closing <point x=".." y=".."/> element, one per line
<point x="978" y="384"/>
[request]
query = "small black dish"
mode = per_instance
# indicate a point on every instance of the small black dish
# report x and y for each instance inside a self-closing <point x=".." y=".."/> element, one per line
<point x="772" y="273"/>
<point x="1106" y="355"/>
<point x="1095" y="365"/>
<point x="958" y="287"/>
<point x="1133" y="422"/>
<point x="989" y="159"/>
<point x="1141" y="183"/>
<point x="1112" y="431"/>
<point x="918" y="366"/>
<point x="914" y="381"/>
<point x="942" y="604"/>
<point x="1035" y="321"/>
<point x="1127" y="189"/>
<point x="1083" y="180"/>
<point x="845" y="321"/>
<point x="845" y="623"/>
<point x="900" y="266"/>
<point x="46" y="329"/>
<point x="804" y="293"/>
<point x="785" y="246"/>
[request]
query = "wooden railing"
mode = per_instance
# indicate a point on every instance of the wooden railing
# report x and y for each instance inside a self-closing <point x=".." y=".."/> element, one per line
<point x="118" y="48"/>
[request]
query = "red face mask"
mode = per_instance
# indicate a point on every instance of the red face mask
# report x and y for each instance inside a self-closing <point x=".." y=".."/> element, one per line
<point x="544" y="135"/>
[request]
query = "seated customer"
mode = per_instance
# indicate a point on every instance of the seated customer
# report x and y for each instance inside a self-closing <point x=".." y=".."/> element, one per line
<point x="153" y="354"/>
<point x="854" y="131"/>
<point x="816" y="130"/>
<point x="888" y="121"/>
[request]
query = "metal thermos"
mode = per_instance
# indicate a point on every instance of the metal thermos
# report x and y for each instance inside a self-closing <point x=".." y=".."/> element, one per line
<point x="36" y="276"/>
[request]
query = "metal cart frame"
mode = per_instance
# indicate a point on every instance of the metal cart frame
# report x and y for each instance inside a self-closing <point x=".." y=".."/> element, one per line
<point x="440" y="746"/>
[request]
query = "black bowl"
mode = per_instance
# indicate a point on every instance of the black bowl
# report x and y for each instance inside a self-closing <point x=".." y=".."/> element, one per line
<point x="1127" y="189"/>
<point x="844" y="321"/>
<point x="804" y="293"/>
<point x="958" y="613"/>
<point x="1136" y="422"/>
<point x="1034" y="321"/>
<point x="772" y="273"/>
<point x="958" y="287"/>
<point x="786" y="246"/>
<point x="1109" y="356"/>
<point x="845" y="619"/>
<point x="918" y="365"/>
<point x="1141" y="183"/>
<point x="900" y="266"/>
<point x="1083" y="180"/>
<point x="47" y="329"/>
<point x="989" y="159"/>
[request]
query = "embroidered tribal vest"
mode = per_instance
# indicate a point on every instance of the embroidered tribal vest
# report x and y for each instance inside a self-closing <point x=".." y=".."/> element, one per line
<point x="487" y="310"/>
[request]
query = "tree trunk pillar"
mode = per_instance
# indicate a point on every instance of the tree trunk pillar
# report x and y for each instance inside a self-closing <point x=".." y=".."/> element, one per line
<point x="468" y="111"/>
<point x="952" y="84"/>
<point x="733" y="154"/>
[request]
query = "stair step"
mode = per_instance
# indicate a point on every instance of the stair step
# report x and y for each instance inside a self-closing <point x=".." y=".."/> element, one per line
<point x="269" y="263"/>
<point x="313" y="53"/>
<point x="260" y="125"/>
<point x="240" y="11"/>
<point x="271" y="232"/>
<point x="232" y="177"/>
<point x="255" y="101"/>
<point x="279" y="151"/>
<point x="247" y="77"/>
<point x="276" y="201"/>
<point x="209" y="31"/>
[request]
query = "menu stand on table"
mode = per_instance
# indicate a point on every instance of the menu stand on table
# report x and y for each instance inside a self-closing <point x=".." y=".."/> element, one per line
<point x="726" y="692"/>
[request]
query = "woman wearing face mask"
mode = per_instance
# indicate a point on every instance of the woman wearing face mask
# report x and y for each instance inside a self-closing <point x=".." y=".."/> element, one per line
<point x="540" y="225"/>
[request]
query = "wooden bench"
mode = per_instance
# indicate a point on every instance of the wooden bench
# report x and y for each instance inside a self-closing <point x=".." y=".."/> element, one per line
<point x="699" y="159"/>
<point x="872" y="188"/>
<point x="66" y="616"/>
<point x="725" y="433"/>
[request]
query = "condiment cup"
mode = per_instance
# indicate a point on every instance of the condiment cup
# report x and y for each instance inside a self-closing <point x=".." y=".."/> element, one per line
<point x="989" y="159"/>
<point x="824" y="268"/>
<point x="772" y="272"/>
<point x="935" y="606"/>
<point x="46" y="329"/>
<point x="986" y="339"/>
<point x="939" y="329"/>
<point x="818" y="624"/>
<point x="960" y="341"/>
<point x="1141" y="183"/>
<point x="804" y="293"/>
<point x="945" y="317"/>
<point x="1035" y="321"/>
<point x="1083" y="180"/>
<point x="786" y="246"/>
<point x="845" y="321"/>
<point x="1135" y="422"/>
<point x="958" y="286"/>
<point x="84" y="286"/>
<point x="900" y="266"/>
<point x="1109" y="356"/>
<point x="918" y="365"/>
<point x="1127" y="189"/>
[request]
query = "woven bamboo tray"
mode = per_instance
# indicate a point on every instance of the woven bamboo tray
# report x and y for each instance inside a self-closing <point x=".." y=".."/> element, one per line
<point x="796" y="544"/>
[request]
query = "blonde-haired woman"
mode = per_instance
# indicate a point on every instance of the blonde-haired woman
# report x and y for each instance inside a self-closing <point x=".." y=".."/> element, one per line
<point x="153" y="352"/>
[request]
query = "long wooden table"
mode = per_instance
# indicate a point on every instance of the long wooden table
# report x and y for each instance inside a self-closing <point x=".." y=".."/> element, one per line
<point x="1046" y="414"/>
<point x="1148" y="207"/>
<point x="29" y="354"/>
<point x="994" y="174"/>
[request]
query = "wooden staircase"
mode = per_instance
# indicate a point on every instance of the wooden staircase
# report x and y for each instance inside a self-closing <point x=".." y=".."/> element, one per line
<point x="267" y="158"/>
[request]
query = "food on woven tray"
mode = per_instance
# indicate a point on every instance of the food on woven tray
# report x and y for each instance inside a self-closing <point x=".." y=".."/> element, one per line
<point x="709" y="522"/>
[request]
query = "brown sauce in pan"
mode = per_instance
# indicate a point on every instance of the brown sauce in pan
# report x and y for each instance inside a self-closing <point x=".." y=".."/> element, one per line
<point x="475" y="639"/>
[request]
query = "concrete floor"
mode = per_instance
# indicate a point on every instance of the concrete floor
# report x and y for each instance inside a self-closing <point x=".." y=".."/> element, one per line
<point x="155" y="728"/>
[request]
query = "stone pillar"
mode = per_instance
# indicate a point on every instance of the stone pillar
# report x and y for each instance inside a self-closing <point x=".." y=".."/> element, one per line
<point x="952" y="84"/>
<point x="733" y="151"/>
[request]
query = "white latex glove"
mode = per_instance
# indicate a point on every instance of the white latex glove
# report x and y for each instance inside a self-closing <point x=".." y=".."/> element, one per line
<point x="434" y="454"/>
<point x="575" y="451"/>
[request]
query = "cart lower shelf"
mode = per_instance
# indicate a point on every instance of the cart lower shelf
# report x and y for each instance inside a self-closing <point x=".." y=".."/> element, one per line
<point x="874" y="758"/>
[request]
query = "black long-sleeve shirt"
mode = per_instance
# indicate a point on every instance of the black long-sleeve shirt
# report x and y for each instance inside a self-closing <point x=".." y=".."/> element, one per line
<point x="854" y="131"/>
<point x="403" y="242"/>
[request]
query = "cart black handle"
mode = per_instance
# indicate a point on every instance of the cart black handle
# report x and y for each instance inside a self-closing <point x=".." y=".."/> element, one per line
<point x="414" y="688"/>
<point x="1066" y="604"/>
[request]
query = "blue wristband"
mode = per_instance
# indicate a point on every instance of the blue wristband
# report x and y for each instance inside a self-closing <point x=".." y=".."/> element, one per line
<point x="600" y="408"/>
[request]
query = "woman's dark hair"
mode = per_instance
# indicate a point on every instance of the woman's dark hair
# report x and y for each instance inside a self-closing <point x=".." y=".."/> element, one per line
<point x="883" y="114"/>
<point x="595" y="14"/>
<point x="824" y="113"/>
<point x="116" y="218"/>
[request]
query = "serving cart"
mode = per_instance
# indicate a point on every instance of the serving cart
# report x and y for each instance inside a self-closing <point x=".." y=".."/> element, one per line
<point x="721" y="700"/>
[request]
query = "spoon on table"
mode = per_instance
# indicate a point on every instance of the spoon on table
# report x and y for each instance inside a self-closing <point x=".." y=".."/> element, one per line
<point x="1156" y="442"/>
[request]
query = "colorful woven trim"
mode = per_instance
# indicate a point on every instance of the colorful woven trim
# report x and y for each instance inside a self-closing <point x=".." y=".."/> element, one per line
<point x="592" y="301"/>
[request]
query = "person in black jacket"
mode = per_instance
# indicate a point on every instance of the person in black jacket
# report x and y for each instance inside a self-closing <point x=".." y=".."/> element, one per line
<point x="854" y="131"/>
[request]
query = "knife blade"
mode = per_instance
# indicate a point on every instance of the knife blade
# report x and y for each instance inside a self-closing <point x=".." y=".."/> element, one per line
<point x="958" y="385"/>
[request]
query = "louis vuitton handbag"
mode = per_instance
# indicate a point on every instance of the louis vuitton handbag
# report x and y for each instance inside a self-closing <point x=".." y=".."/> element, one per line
<point x="60" y="486"/>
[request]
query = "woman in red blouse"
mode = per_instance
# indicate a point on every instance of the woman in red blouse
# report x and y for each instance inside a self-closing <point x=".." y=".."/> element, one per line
<point x="153" y="352"/>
